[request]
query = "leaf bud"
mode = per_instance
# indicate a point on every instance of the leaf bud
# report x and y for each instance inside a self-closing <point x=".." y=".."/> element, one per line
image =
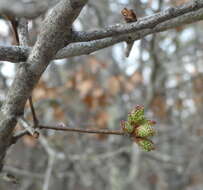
<point x="146" y="144"/>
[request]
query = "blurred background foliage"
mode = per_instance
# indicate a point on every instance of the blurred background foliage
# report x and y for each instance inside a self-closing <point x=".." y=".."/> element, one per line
<point x="164" y="73"/>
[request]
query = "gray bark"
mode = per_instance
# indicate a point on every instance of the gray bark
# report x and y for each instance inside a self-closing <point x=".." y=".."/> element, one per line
<point x="88" y="42"/>
<point x="54" y="35"/>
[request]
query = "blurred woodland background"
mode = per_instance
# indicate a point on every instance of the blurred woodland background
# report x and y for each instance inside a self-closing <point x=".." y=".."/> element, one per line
<point x="164" y="72"/>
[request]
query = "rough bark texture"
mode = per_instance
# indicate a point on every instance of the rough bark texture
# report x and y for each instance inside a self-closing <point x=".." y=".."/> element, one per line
<point x="54" y="35"/>
<point x="88" y="42"/>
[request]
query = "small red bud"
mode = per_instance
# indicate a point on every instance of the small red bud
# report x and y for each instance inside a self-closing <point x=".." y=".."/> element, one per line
<point x="152" y="122"/>
<point x="139" y="107"/>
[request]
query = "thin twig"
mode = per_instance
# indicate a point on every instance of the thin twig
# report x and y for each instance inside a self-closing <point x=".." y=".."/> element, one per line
<point x="53" y="155"/>
<point x="80" y="130"/>
<point x="35" y="120"/>
<point x="48" y="173"/>
<point x="28" y="127"/>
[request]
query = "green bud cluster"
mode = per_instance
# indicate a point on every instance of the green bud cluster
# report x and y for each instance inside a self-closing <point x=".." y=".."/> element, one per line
<point x="138" y="127"/>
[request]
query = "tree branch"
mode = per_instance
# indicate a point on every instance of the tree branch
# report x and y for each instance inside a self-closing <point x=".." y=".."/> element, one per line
<point x="148" y="22"/>
<point x="30" y="129"/>
<point x="81" y="130"/>
<point x="16" y="54"/>
<point x="55" y="33"/>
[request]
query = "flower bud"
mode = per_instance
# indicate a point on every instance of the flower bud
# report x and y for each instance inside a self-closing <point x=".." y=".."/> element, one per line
<point x="127" y="127"/>
<point x="137" y="115"/>
<point x="144" y="130"/>
<point x="146" y="144"/>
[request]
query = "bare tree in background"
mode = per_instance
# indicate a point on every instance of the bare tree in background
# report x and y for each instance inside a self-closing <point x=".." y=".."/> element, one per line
<point x="56" y="37"/>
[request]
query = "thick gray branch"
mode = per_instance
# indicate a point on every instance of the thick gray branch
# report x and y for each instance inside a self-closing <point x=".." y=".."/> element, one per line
<point x="149" y="22"/>
<point x="16" y="54"/>
<point x="54" y="35"/>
